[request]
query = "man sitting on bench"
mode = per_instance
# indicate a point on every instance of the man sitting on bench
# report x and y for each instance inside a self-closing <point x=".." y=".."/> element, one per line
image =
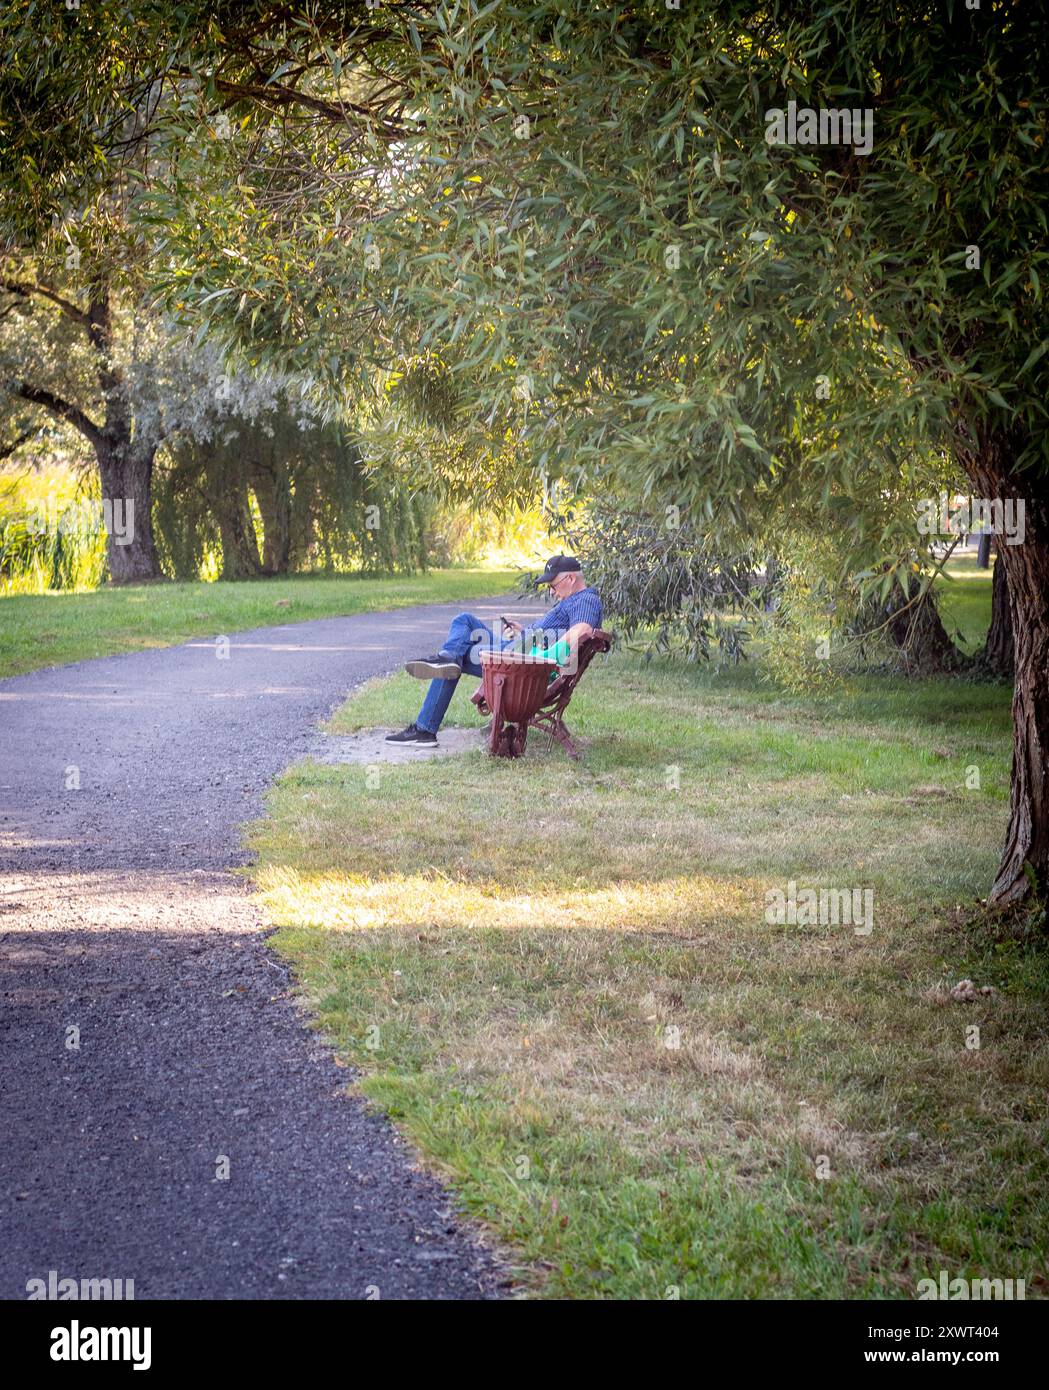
<point x="575" y="616"/>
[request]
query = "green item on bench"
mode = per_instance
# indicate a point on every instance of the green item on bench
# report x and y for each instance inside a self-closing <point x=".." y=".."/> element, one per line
<point x="559" y="652"/>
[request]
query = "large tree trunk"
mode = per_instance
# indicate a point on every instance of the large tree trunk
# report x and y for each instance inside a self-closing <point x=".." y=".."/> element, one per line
<point x="125" y="460"/>
<point x="917" y="629"/>
<point x="240" y="551"/>
<point x="999" y="654"/>
<point x="273" y="492"/>
<point x="126" y="473"/>
<point x="226" y="474"/>
<point x="1025" y="857"/>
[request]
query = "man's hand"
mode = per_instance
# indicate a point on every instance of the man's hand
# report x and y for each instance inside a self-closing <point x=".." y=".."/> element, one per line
<point x="511" y="627"/>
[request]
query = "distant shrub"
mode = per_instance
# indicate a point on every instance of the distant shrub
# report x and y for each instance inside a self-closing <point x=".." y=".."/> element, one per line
<point x="664" y="580"/>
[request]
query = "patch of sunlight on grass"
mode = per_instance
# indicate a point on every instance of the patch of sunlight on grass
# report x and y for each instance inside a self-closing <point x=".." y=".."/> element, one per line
<point x="348" y="902"/>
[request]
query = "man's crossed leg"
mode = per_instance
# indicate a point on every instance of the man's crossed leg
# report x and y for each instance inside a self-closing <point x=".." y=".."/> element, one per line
<point x="459" y="654"/>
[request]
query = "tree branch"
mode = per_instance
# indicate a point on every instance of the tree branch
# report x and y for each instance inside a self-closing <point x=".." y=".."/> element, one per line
<point x="66" y="305"/>
<point x="63" y="410"/>
<point x="279" y="95"/>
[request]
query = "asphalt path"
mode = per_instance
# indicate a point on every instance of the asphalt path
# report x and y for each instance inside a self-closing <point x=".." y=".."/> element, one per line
<point x="166" y="1114"/>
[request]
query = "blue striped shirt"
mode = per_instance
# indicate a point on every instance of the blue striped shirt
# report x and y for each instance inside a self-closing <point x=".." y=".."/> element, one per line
<point x="583" y="607"/>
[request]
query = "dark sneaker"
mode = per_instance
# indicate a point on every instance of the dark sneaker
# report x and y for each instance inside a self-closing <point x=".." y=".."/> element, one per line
<point x="418" y="738"/>
<point x="434" y="668"/>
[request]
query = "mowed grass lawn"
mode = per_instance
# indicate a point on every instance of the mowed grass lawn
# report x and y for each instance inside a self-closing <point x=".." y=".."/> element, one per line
<point x="560" y="981"/>
<point x="48" y="629"/>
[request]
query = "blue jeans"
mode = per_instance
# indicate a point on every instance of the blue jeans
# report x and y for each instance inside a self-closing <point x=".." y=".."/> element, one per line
<point x="467" y="638"/>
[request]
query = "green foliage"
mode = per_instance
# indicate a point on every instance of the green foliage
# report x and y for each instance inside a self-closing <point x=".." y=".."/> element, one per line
<point x="184" y="531"/>
<point x="664" y="580"/>
<point x="810" y="634"/>
<point x="518" y="537"/>
<point x="673" y="288"/>
<point x="573" y="217"/>
<point x="698" y="374"/>
<point x="642" y="291"/>
<point x="308" y="482"/>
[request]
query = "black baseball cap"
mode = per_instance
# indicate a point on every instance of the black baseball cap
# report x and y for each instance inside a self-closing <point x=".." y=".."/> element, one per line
<point x="559" y="564"/>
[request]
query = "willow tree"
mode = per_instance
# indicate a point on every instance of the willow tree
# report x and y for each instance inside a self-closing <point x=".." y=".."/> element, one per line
<point x="644" y="240"/>
<point x="88" y="98"/>
<point x="81" y="355"/>
<point x="655" y="226"/>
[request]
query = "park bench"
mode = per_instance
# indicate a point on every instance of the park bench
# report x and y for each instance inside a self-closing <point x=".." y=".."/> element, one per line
<point x="519" y="695"/>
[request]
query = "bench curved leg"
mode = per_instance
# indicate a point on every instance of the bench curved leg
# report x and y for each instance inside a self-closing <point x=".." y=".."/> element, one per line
<point x="495" y="736"/>
<point x="564" y="738"/>
<point x="559" y="733"/>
